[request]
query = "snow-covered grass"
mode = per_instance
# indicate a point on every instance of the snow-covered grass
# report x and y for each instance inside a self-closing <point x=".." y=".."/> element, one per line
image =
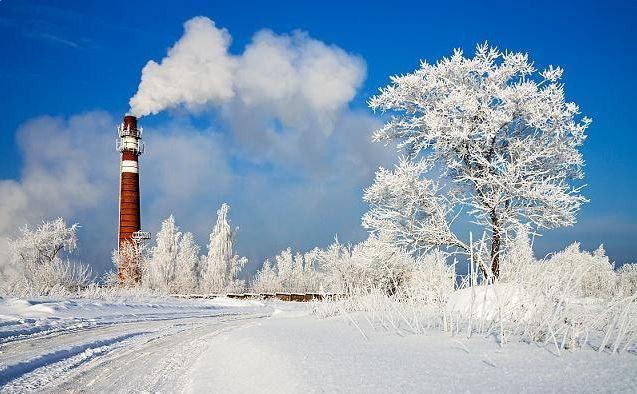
<point x="570" y="300"/>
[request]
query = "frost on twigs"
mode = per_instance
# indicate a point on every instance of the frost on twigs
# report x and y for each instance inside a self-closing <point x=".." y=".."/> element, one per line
<point x="292" y="273"/>
<point x="38" y="263"/>
<point x="221" y="266"/>
<point x="130" y="260"/>
<point x="500" y="137"/>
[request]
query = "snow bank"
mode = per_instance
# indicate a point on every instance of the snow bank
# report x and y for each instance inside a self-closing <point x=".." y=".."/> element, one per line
<point x="486" y="302"/>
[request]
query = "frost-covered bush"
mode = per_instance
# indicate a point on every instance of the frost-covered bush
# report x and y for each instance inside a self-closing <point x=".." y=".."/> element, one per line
<point x="431" y="280"/>
<point x="627" y="279"/>
<point x="290" y="273"/>
<point x="593" y="272"/>
<point x="131" y="265"/>
<point x="38" y="263"/>
<point x="518" y="259"/>
<point x="568" y="300"/>
<point x="378" y="266"/>
<point x="266" y="280"/>
<point x="371" y="264"/>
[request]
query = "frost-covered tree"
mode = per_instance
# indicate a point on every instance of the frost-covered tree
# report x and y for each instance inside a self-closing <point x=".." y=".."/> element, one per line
<point x="294" y="273"/>
<point x="518" y="257"/>
<point x="38" y="264"/>
<point x="186" y="271"/>
<point x="285" y="268"/>
<point x="163" y="261"/>
<point x="373" y="264"/>
<point x="627" y="279"/>
<point x="266" y="280"/>
<point x="220" y="267"/>
<point x="488" y="134"/>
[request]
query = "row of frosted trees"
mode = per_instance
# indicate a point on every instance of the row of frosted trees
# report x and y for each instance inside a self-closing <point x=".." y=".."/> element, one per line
<point x="174" y="265"/>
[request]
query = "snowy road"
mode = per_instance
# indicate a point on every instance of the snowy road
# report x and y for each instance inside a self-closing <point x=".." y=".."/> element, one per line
<point x="229" y="346"/>
<point x="147" y="350"/>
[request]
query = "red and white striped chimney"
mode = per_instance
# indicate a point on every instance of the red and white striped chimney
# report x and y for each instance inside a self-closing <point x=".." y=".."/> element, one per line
<point x="130" y="145"/>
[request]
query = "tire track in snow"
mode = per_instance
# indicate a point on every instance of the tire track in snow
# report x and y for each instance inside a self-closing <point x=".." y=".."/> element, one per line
<point x="150" y="358"/>
<point x="74" y="325"/>
<point x="70" y="357"/>
<point x="158" y="364"/>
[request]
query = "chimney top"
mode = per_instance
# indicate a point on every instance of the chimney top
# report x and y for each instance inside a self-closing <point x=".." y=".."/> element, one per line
<point x="130" y="122"/>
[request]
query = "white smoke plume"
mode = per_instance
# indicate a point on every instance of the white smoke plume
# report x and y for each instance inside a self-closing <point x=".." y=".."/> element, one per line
<point x="197" y="71"/>
<point x="290" y="75"/>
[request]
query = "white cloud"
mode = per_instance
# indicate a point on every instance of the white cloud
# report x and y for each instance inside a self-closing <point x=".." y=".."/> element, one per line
<point x="297" y="80"/>
<point x="70" y="170"/>
<point x="59" y="174"/>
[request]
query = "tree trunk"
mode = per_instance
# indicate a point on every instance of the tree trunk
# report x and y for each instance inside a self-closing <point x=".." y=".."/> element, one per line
<point x="496" y="240"/>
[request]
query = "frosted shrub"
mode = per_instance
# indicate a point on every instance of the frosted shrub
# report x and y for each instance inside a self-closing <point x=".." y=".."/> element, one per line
<point x="131" y="265"/>
<point x="342" y="273"/>
<point x="385" y="266"/>
<point x="518" y="257"/>
<point x="627" y="279"/>
<point x="595" y="272"/>
<point x="372" y="264"/>
<point x="400" y="293"/>
<point x="290" y="273"/>
<point x="567" y="299"/>
<point x="38" y="264"/>
<point x="431" y="280"/>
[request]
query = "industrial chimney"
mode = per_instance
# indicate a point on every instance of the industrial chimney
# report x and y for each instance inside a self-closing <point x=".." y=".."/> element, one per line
<point x="130" y="145"/>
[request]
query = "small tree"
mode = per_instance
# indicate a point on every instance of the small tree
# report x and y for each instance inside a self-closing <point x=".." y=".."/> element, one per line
<point x="291" y="273"/>
<point x="498" y="135"/>
<point x="220" y="267"/>
<point x="163" y="261"/>
<point x="266" y="279"/>
<point x="186" y="272"/>
<point x="131" y="262"/>
<point x="285" y="268"/>
<point x="36" y="256"/>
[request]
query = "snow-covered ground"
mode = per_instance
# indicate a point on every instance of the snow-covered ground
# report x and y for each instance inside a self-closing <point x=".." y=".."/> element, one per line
<point x="221" y="345"/>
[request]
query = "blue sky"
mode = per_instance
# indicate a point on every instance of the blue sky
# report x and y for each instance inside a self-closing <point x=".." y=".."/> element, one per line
<point x="66" y="58"/>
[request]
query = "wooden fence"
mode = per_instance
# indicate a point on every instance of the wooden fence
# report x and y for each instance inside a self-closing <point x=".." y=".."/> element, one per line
<point x="294" y="297"/>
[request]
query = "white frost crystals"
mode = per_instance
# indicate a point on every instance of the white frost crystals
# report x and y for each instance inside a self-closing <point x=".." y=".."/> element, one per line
<point x="37" y="265"/>
<point x="221" y="266"/>
<point x="500" y="137"/>
<point x="174" y="265"/>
